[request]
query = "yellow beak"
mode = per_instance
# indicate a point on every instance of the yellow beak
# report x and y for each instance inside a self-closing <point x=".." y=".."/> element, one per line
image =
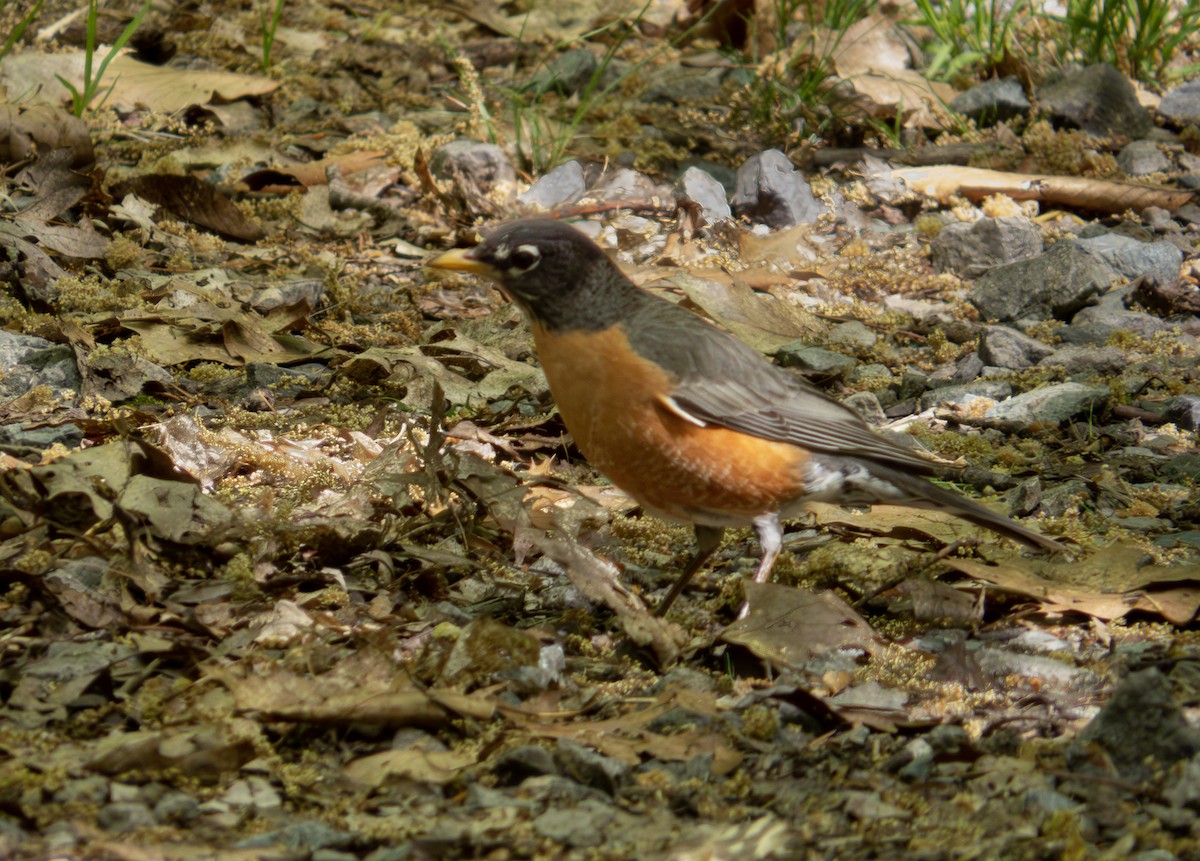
<point x="459" y="260"/>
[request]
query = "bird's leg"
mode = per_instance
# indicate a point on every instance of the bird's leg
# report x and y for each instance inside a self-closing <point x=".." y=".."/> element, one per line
<point x="770" y="536"/>
<point x="708" y="539"/>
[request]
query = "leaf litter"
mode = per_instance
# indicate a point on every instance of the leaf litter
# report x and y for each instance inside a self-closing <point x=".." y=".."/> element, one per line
<point x="307" y="563"/>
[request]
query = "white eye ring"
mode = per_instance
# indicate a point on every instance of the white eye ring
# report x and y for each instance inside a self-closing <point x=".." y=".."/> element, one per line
<point x="524" y="258"/>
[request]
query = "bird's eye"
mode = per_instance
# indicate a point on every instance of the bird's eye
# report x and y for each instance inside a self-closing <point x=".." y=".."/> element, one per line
<point x="524" y="258"/>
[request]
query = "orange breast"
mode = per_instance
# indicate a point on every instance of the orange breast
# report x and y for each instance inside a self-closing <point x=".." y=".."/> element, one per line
<point x="612" y="402"/>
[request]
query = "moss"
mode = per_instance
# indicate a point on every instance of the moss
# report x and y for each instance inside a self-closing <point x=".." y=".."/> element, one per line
<point x="89" y="294"/>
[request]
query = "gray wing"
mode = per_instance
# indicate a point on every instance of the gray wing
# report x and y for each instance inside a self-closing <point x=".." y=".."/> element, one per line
<point x="723" y="382"/>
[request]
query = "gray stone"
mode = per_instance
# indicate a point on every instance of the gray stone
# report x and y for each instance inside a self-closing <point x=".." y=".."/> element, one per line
<point x="680" y="85"/>
<point x="482" y="165"/>
<point x="992" y="101"/>
<point x="123" y="816"/>
<point x="1004" y="347"/>
<point x="965" y="370"/>
<point x="586" y="766"/>
<point x="871" y="376"/>
<point x="912" y="383"/>
<point x="969" y="250"/>
<point x="1182" y="468"/>
<point x="1056" y="284"/>
<point x="1141" y="158"/>
<point x="1063" y="498"/>
<point x="866" y="404"/>
<point x="824" y="362"/>
<point x="771" y="191"/>
<point x="852" y="335"/>
<point x="1054" y="404"/>
<point x="700" y="187"/>
<point x="92" y="789"/>
<point x="722" y="174"/>
<point x="1184" y="411"/>
<point x="1083" y="361"/>
<point x="176" y="806"/>
<point x="625" y="183"/>
<point x="1099" y="100"/>
<point x="580" y="826"/>
<point x="1181" y="105"/>
<point x="564" y="184"/>
<point x="1096" y="325"/>
<point x="569" y="73"/>
<point x="28" y="362"/>
<point x="1132" y="259"/>
<point x="1142" y="723"/>
<point x="964" y="393"/>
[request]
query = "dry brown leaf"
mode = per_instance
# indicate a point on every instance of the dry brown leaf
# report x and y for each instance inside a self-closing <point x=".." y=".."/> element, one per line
<point x="29" y="130"/>
<point x="426" y="766"/>
<point x="33" y="76"/>
<point x="195" y="201"/>
<point x="600" y="581"/>
<point x="1107" y="584"/>
<point x="786" y="626"/>
<point x="763" y="322"/>
<point x="280" y="180"/>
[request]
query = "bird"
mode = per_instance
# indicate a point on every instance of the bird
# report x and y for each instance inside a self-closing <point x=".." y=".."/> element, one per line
<point x="692" y="423"/>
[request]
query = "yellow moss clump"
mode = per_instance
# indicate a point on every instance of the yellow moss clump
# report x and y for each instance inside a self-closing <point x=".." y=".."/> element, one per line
<point x="89" y="294"/>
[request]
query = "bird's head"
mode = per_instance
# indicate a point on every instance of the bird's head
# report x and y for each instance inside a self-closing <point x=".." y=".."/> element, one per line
<point x="555" y="274"/>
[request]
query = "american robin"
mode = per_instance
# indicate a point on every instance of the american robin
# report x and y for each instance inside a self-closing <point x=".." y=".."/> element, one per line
<point x="689" y="421"/>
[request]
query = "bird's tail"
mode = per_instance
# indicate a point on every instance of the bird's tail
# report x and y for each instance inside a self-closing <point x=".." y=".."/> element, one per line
<point x="926" y="494"/>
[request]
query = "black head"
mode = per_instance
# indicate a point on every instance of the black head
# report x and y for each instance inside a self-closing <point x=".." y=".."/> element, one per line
<point x="553" y="272"/>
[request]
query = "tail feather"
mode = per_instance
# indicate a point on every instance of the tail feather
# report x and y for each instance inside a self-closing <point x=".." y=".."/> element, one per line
<point x="925" y="494"/>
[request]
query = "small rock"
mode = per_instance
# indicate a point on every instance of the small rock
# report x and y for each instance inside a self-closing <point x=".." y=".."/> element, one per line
<point x="585" y="766"/>
<point x="1047" y="801"/>
<point x="867" y="405"/>
<point x="1141" y="721"/>
<point x="964" y="394"/>
<point x="1184" y="411"/>
<point x="1097" y="325"/>
<point x="965" y="370"/>
<point x="825" y="363"/>
<point x="1181" y="105"/>
<point x="870" y="376"/>
<point x="912" y="384"/>
<point x="523" y="762"/>
<point x="681" y="85"/>
<point x="564" y="184"/>
<point x="1132" y="259"/>
<point x="29" y="362"/>
<point x="1182" y="468"/>
<point x="1086" y="361"/>
<point x="92" y="789"/>
<point x="569" y="73"/>
<point x="1056" y="284"/>
<point x="1004" y="347"/>
<point x="721" y="173"/>
<point x="584" y="825"/>
<point x="485" y="167"/>
<point x="852" y="335"/>
<point x="700" y="187"/>
<point x="124" y="816"/>
<point x="969" y="250"/>
<point x="1063" y="497"/>
<point x="176" y="806"/>
<point x="993" y="101"/>
<point x="1141" y="158"/>
<point x="1099" y="100"/>
<point x="1054" y="404"/>
<point x="771" y="191"/>
<point x="625" y="183"/>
